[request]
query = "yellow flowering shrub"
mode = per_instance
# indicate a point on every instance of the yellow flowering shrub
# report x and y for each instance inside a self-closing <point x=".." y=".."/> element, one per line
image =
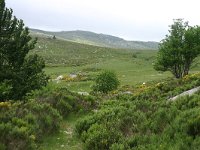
<point x="5" y="104"/>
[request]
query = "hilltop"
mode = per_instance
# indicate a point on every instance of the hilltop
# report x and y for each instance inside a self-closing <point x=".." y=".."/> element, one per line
<point x="103" y="40"/>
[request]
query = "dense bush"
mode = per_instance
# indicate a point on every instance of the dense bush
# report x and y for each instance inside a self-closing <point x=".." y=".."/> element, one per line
<point x="63" y="100"/>
<point x="100" y="137"/>
<point x="147" y="120"/>
<point x="115" y="119"/>
<point x="5" y="89"/>
<point x="22" y="125"/>
<point x="106" y="81"/>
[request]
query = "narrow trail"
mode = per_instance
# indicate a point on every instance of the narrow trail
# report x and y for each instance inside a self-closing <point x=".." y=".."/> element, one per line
<point x="189" y="93"/>
<point x="65" y="139"/>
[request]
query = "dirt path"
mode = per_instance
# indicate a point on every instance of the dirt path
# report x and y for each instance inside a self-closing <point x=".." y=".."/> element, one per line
<point x="189" y="92"/>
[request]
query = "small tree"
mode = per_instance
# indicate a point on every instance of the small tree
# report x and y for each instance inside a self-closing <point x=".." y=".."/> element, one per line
<point x="106" y="81"/>
<point x="54" y="37"/>
<point x="179" y="49"/>
<point x="19" y="73"/>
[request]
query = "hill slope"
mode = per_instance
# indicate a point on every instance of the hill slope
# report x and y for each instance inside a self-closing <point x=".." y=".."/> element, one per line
<point x="103" y="40"/>
<point x="57" y="52"/>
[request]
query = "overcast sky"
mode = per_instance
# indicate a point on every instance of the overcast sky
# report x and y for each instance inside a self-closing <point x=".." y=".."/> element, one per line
<point x="146" y="20"/>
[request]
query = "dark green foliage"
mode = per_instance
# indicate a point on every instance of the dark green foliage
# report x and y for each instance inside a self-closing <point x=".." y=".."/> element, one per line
<point x="5" y="89"/>
<point x="194" y="127"/>
<point x="99" y="137"/>
<point x="54" y="37"/>
<point x="134" y="55"/>
<point x="106" y="81"/>
<point x="112" y="123"/>
<point x="22" y="125"/>
<point x="179" y="49"/>
<point x="63" y="100"/>
<point x="21" y="73"/>
<point x="116" y="146"/>
<point x="147" y="120"/>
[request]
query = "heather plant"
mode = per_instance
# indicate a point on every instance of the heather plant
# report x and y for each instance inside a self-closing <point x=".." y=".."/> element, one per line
<point x="23" y="125"/>
<point x="146" y="120"/>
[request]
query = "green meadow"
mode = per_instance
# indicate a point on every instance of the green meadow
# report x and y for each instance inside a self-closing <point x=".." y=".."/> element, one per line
<point x="64" y="58"/>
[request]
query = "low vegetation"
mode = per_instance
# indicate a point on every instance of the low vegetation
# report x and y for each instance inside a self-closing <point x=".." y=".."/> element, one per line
<point x="24" y="125"/>
<point x="137" y="114"/>
<point x="145" y="120"/>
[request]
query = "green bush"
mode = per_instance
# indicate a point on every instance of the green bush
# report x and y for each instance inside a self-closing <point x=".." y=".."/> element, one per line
<point x="116" y="146"/>
<point x="84" y="124"/>
<point x="146" y="120"/>
<point x="22" y="125"/>
<point x="63" y="107"/>
<point x="194" y="127"/>
<point x="106" y="81"/>
<point x="63" y="100"/>
<point x="5" y="89"/>
<point x="47" y="117"/>
<point x="100" y="137"/>
<point x="16" y="136"/>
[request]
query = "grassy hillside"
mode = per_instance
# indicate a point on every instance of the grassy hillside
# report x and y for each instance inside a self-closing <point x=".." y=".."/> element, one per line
<point x="64" y="58"/>
<point x="64" y="53"/>
<point x="102" y="40"/>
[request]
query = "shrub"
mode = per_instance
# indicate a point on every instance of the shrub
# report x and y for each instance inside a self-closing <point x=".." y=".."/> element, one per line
<point x="47" y="117"/>
<point x="63" y="107"/>
<point x="63" y="100"/>
<point x="100" y="137"/>
<point x="22" y="125"/>
<point x="84" y="124"/>
<point x="116" y="146"/>
<point x="5" y="89"/>
<point x="105" y="82"/>
<point x="194" y="127"/>
<point x="145" y="121"/>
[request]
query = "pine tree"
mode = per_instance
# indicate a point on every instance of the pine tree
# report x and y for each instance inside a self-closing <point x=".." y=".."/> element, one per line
<point x="19" y="72"/>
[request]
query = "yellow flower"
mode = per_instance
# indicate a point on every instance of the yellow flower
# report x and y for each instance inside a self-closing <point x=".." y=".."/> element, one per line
<point x="32" y="137"/>
<point x="5" y="104"/>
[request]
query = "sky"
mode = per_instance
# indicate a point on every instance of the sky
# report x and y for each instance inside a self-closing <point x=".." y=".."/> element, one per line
<point x="141" y="20"/>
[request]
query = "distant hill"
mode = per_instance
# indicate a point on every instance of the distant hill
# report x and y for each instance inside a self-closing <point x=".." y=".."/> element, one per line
<point x="103" y="40"/>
